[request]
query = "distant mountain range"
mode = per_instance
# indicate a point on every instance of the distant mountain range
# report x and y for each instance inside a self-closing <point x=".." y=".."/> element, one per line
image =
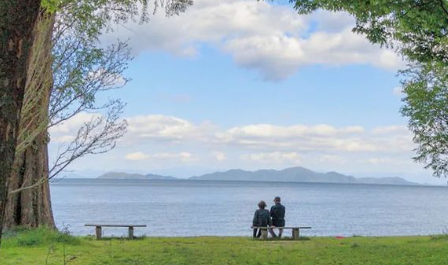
<point x="121" y="175"/>
<point x="293" y="174"/>
<point x="298" y="174"/>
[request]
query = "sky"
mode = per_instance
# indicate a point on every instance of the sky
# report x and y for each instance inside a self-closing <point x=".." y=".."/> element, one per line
<point x="253" y="85"/>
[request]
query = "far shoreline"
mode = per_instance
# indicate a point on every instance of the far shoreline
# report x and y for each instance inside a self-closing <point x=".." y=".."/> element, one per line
<point x="189" y="180"/>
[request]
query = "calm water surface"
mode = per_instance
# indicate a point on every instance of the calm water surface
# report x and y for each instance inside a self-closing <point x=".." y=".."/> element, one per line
<point x="194" y="208"/>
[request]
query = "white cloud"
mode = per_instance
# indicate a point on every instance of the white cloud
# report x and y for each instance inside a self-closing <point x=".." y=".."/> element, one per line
<point x="392" y="129"/>
<point x="279" y="56"/>
<point x="268" y="137"/>
<point x="376" y="161"/>
<point x="356" y="145"/>
<point x="269" y="130"/>
<point x="181" y="156"/>
<point x="137" y="156"/>
<point x="298" y="137"/>
<point x="331" y="22"/>
<point x="274" y="157"/>
<point x="219" y="156"/>
<point x="172" y="131"/>
<point x="184" y="156"/>
<point x="161" y="142"/>
<point x="333" y="159"/>
<point x="66" y="131"/>
<point x="272" y="39"/>
<point x="161" y="128"/>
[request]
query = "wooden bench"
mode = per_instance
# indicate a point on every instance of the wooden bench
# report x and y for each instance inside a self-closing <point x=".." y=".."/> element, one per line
<point x="98" y="229"/>
<point x="295" y="231"/>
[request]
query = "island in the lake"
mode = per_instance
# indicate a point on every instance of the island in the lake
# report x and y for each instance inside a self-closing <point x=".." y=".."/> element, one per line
<point x="121" y="175"/>
<point x="293" y="174"/>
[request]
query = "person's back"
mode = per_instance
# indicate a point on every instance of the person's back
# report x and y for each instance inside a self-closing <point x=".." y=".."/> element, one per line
<point x="262" y="218"/>
<point x="278" y="216"/>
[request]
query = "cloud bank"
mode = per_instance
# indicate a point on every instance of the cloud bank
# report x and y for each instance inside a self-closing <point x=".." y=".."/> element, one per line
<point x="265" y="37"/>
<point x="160" y="140"/>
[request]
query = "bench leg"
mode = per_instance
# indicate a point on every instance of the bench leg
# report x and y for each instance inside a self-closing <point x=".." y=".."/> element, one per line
<point x="131" y="232"/>
<point x="295" y="234"/>
<point x="98" y="232"/>
<point x="264" y="234"/>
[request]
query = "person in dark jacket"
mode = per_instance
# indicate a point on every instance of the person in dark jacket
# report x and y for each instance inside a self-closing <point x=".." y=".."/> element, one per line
<point x="278" y="217"/>
<point x="262" y="218"/>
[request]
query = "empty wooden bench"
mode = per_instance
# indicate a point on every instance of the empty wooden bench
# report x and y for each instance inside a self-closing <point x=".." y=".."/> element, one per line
<point x="295" y="231"/>
<point x="98" y="229"/>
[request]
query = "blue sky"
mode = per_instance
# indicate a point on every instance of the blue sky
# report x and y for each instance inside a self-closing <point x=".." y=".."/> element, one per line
<point x="211" y="87"/>
<point x="246" y="84"/>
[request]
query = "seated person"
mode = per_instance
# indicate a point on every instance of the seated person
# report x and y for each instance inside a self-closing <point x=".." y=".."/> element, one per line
<point x="262" y="218"/>
<point x="278" y="217"/>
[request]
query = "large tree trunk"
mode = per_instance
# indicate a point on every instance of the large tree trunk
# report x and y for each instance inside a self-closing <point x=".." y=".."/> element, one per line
<point x="31" y="207"/>
<point x="17" y="20"/>
<point x="29" y="202"/>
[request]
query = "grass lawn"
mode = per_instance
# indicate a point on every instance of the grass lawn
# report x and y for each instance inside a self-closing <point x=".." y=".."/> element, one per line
<point x="41" y="247"/>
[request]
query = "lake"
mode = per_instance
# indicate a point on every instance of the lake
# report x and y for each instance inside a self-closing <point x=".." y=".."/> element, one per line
<point x="218" y="208"/>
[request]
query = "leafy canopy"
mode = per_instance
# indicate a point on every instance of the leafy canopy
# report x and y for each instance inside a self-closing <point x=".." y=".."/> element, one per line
<point x="418" y="30"/>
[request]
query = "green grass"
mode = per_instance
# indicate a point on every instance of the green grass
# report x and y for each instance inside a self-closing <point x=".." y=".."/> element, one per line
<point x="37" y="237"/>
<point x="41" y="247"/>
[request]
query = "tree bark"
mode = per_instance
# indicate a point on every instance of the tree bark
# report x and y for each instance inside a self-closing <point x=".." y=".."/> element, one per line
<point x="17" y="21"/>
<point x="31" y="207"/>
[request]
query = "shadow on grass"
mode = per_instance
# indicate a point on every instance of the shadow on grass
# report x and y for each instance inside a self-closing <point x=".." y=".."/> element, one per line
<point x="120" y="238"/>
<point x="302" y="238"/>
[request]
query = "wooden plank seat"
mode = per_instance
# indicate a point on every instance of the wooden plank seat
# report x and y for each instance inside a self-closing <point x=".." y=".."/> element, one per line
<point x="98" y="229"/>
<point x="295" y="230"/>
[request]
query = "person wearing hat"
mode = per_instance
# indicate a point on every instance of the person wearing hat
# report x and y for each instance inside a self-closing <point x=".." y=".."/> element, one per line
<point x="278" y="217"/>
<point x="262" y="218"/>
